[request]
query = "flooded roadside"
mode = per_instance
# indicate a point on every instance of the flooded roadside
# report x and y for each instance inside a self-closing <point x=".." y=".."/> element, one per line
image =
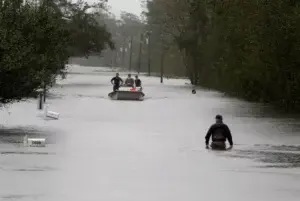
<point x="150" y="150"/>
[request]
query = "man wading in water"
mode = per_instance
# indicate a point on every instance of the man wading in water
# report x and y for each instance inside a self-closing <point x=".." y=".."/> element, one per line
<point x="219" y="133"/>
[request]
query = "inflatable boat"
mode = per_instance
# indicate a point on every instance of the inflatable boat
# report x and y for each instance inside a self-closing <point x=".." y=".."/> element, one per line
<point x="127" y="93"/>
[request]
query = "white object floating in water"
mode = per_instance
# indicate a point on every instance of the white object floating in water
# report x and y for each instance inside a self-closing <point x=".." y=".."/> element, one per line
<point x="53" y="115"/>
<point x="50" y="114"/>
<point x="34" y="142"/>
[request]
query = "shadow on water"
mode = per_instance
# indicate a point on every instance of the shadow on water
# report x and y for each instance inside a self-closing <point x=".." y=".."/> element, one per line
<point x="96" y="72"/>
<point x="156" y="98"/>
<point x="25" y="153"/>
<point x="80" y="85"/>
<point x="107" y="97"/>
<point x="11" y="146"/>
<point x="241" y="108"/>
<point x="30" y="169"/>
<point x="34" y="169"/>
<point x="90" y="96"/>
<point x="15" y="135"/>
<point x="20" y="197"/>
<point x="271" y="156"/>
<point x="83" y="73"/>
<point x="52" y="96"/>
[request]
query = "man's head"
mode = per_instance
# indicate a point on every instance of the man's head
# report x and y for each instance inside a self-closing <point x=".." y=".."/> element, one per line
<point x="129" y="75"/>
<point x="219" y="119"/>
<point x="136" y="77"/>
<point x="117" y="74"/>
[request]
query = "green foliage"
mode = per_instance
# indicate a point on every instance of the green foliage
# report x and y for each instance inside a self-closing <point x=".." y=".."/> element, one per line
<point x="247" y="48"/>
<point x="36" y="41"/>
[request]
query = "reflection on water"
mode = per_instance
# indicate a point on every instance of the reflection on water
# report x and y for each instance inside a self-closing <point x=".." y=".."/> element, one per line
<point x="25" y="153"/>
<point x="25" y="171"/>
<point x="90" y="96"/>
<point x="51" y="95"/>
<point x="271" y="156"/>
<point x="278" y="147"/>
<point x="29" y="169"/>
<point x="35" y="169"/>
<point x="156" y="98"/>
<point x="15" y="135"/>
<point x="81" y="85"/>
<point x="20" y="197"/>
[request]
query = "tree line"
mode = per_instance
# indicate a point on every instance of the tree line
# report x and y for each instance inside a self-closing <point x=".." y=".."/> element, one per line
<point x="137" y="46"/>
<point x="38" y="37"/>
<point x="246" y="48"/>
<point x="127" y="32"/>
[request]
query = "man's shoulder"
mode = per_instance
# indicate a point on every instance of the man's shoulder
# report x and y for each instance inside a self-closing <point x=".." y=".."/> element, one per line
<point x="215" y="125"/>
<point x="225" y="125"/>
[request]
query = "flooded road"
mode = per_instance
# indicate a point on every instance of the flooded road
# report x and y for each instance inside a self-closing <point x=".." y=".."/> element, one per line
<point x="145" y="151"/>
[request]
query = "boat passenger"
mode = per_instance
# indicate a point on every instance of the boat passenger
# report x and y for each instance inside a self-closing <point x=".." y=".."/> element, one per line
<point x="129" y="82"/>
<point x="137" y="81"/>
<point x="116" y="82"/>
<point x="219" y="133"/>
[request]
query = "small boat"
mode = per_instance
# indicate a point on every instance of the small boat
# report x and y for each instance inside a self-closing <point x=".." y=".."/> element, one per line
<point x="127" y="93"/>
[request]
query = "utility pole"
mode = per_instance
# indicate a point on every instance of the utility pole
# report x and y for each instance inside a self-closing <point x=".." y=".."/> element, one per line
<point x="149" y="55"/>
<point x="44" y="91"/>
<point x="111" y="59"/>
<point x="162" y="60"/>
<point x="116" y="58"/>
<point x="162" y="66"/>
<point x="130" y="56"/>
<point x="123" y="53"/>
<point x="140" y="54"/>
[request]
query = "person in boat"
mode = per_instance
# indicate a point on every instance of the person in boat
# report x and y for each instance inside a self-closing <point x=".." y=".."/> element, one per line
<point x="219" y="132"/>
<point x="129" y="82"/>
<point x="137" y="81"/>
<point x="116" y="82"/>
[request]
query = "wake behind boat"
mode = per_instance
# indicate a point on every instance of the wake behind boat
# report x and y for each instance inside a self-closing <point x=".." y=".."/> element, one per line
<point x="127" y="93"/>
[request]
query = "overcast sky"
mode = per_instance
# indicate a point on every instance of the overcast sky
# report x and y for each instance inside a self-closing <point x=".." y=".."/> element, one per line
<point x="132" y="6"/>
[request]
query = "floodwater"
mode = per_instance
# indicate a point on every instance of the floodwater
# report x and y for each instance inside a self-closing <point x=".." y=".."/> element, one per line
<point x="145" y="151"/>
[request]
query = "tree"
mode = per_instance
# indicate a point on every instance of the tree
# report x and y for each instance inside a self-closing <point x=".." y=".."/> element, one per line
<point x="247" y="48"/>
<point x="164" y="24"/>
<point x="125" y="31"/>
<point x="36" y="41"/>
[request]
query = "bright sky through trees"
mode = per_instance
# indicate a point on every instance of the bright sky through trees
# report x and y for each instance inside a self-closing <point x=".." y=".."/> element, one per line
<point x="132" y="6"/>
